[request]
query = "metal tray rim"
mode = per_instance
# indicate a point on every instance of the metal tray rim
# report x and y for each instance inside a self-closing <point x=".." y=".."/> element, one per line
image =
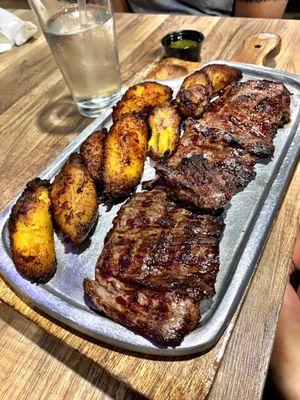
<point x="53" y="305"/>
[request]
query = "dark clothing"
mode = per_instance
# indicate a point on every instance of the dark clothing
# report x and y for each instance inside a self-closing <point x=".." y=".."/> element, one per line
<point x="193" y="7"/>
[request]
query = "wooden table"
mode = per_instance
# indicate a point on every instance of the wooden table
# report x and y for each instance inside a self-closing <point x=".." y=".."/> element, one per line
<point x="45" y="360"/>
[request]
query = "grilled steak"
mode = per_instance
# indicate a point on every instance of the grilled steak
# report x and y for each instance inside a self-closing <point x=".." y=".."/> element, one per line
<point x="217" y="153"/>
<point x="158" y="244"/>
<point x="248" y="115"/>
<point x="159" y="260"/>
<point x="205" y="171"/>
<point x="165" y="317"/>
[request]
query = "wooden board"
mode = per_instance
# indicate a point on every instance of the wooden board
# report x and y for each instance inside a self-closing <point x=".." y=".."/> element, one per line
<point x="37" y="121"/>
<point x="258" y="49"/>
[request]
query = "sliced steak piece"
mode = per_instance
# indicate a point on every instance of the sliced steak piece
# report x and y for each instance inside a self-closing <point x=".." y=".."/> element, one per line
<point x="158" y="244"/>
<point x="204" y="171"/>
<point x="217" y="153"/>
<point x="165" y="317"/>
<point x="249" y="113"/>
<point x="159" y="260"/>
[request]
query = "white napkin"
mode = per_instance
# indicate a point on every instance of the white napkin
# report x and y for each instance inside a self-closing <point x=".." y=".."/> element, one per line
<point x="14" y="30"/>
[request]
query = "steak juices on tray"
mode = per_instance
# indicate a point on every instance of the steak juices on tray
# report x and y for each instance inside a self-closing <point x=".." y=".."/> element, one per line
<point x="161" y="257"/>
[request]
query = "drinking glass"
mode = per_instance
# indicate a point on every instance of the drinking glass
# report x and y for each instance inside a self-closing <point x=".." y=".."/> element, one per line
<point x="81" y="37"/>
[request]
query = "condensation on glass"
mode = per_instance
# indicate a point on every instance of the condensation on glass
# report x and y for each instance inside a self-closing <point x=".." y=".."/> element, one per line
<point x="81" y="37"/>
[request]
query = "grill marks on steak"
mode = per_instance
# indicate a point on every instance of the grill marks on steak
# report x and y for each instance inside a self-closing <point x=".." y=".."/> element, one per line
<point x="161" y="258"/>
<point x="158" y="244"/>
<point x="217" y="153"/>
<point x="165" y="317"/>
<point x="204" y="171"/>
<point x="162" y="251"/>
<point x="248" y="115"/>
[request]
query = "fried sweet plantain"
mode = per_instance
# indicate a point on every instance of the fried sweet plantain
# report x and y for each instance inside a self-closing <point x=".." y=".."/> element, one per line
<point x="199" y="87"/>
<point x="194" y="94"/>
<point x="140" y="98"/>
<point x="221" y="75"/>
<point x="92" y="153"/>
<point x="164" y="123"/>
<point x="197" y="78"/>
<point x="125" y="153"/>
<point x="74" y="200"/>
<point x="31" y="233"/>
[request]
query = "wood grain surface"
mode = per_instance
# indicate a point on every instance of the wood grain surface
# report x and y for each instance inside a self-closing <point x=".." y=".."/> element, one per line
<point x="42" y="359"/>
<point x="257" y="48"/>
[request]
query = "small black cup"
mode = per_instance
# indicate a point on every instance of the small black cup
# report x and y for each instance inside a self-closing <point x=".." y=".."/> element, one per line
<point x="189" y="52"/>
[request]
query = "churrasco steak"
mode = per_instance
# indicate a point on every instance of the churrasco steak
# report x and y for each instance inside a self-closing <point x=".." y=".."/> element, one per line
<point x="158" y="248"/>
<point x="161" y="257"/>
<point x="164" y="317"/>
<point x="205" y="171"/>
<point x="248" y="115"/>
<point x="157" y="243"/>
<point x="217" y="153"/>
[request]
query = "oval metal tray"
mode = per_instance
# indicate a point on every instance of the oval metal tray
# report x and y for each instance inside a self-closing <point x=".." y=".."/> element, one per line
<point x="248" y="219"/>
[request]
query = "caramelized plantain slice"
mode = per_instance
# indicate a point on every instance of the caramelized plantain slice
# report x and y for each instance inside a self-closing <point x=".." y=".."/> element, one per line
<point x="74" y="200"/>
<point x="194" y="94"/>
<point x="197" y="78"/>
<point x="221" y="75"/>
<point x="92" y="153"/>
<point x="199" y="87"/>
<point x="125" y="153"/>
<point x="31" y="233"/>
<point x="164" y="123"/>
<point x="140" y="98"/>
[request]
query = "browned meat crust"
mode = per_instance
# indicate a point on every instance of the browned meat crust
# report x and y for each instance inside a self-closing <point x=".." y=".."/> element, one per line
<point x="92" y="153"/>
<point x="248" y="115"/>
<point x="217" y="153"/>
<point x="158" y="244"/>
<point x="159" y="260"/>
<point x="204" y="171"/>
<point x="162" y="316"/>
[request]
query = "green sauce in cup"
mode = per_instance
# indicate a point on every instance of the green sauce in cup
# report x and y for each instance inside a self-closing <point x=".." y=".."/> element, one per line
<point x="185" y="45"/>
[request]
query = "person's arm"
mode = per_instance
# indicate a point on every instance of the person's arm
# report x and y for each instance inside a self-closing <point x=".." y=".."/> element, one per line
<point x="285" y="360"/>
<point x="260" y="8"/>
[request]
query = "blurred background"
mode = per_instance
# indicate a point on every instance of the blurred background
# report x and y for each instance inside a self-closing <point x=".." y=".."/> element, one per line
<point x="292" y="11"/>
